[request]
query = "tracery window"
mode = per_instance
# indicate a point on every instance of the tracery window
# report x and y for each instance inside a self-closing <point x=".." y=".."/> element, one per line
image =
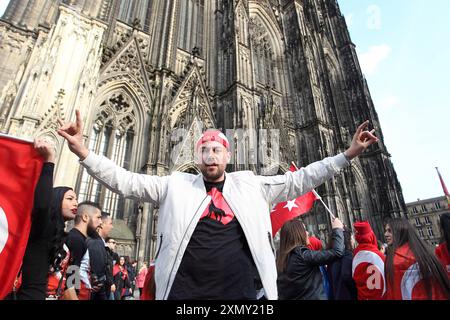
<point x="266" y="67"/>
<point x="112" y="135"/>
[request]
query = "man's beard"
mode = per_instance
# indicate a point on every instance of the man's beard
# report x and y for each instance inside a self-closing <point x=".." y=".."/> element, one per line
<point x="91" y="230"/>
<point x="211" y="177"/>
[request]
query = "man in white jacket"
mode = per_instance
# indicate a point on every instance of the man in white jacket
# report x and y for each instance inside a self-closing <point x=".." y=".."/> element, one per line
<point x="214" y="229"/>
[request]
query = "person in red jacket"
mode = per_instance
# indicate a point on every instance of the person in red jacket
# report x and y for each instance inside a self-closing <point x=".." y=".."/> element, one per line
<point x="412" y="270"/>
<point x="443" y="250"/>
<point x="368" y="264"/>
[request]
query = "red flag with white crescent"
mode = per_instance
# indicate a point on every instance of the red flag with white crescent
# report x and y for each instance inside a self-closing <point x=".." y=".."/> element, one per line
<point x="285" y="211"/>
<point x="407" y="281"/>
<point x="20" y="168"/>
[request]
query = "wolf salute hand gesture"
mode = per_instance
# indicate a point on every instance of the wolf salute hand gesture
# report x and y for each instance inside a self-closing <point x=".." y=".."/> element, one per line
<point x="73" y="133"/>
<point x="361" y="141"/>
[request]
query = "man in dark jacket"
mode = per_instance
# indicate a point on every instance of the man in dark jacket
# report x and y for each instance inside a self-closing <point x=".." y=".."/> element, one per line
<point x="101" y="262"/>
<point x="112" y="257"/>
<point x="340" y="273"/>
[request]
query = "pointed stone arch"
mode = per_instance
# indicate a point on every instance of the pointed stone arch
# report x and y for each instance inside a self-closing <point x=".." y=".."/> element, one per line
<point x="275" y="34"/>
<point x="362" y="193"/>
<point x="189" y="168"/>
<point x="142" y="106"/>
<point x="192" y="98"/>
<point x="127" y="64"/>
<point x="182" y="146"/>
<point x="267" y="49"/>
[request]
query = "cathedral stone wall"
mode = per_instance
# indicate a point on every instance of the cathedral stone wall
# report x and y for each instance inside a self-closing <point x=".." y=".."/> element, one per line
<point x="280" y="77"/>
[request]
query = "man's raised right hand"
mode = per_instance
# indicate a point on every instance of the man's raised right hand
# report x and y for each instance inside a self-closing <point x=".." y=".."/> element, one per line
<point x="73" y="133"/>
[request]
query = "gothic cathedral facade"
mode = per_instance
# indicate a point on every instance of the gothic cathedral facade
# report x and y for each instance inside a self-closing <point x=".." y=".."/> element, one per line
<point x="281" y="77"/>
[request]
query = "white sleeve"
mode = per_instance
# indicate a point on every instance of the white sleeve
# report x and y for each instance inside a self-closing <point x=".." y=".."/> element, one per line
<point x="128" y="184"/>
<point x="294" y="184"/>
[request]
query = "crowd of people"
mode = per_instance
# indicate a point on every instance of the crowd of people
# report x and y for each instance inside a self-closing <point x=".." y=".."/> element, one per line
<point x="406" y="268"/>
<point x="81" y="264"/>
<point x="215" y="242"/>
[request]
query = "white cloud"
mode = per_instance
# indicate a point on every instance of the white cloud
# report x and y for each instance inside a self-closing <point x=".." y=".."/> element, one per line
<point x="388" y="103"/>
<point x="349" y="19"/>
<point x="374" y="19"/>
<point x="371" y="59"/>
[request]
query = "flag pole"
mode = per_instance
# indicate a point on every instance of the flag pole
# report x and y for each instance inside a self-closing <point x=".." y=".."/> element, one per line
<point x="318" y="197"/>
<point x="444" y="187"/>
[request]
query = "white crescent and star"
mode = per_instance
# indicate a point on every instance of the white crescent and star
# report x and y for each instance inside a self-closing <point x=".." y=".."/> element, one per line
<point x="365" y="256"/>
<point x="3" y="229"/>
<point x="409" y="281"/>
<point x="290" y="204"/>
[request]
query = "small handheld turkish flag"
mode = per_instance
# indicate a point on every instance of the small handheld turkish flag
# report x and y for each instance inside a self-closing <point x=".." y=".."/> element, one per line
<point x="285" y="211"/>
<point x="20" y="167"/>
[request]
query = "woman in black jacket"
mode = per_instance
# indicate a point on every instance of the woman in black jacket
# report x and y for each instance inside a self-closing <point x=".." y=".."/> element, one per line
<point x="299" y="276"/>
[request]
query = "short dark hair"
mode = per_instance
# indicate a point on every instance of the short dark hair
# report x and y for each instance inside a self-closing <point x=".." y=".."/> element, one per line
<point x="86" y="206"/>
<point x="105" y="215"/>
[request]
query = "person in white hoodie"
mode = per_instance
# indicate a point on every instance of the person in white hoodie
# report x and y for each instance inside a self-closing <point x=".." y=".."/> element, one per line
<point x="214" y="229"/>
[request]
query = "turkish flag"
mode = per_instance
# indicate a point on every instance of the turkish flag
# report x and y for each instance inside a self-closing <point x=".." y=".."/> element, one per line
<point x="20" y="168"/>
<point x="285" y="211"/>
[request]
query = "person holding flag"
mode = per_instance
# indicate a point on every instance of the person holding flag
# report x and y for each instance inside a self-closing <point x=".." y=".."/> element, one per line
<point x="35" y="262"/>
<point x="299" y="274"/>
<point x="21" y="165"/>
<point x="213" y="229"/>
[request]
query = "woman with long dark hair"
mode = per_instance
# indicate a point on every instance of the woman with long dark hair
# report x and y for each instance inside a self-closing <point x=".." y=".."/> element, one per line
<point x="299" y="276"/>
<point x="41" y="268"/>
<point x="63" y="208"/>
<point x="443" y="250"/>
<point x="412" y="270"/>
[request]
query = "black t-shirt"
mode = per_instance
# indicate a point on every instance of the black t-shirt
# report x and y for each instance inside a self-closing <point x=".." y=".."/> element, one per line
<point x="217" y="263"/>
<point x="79" y="256"/>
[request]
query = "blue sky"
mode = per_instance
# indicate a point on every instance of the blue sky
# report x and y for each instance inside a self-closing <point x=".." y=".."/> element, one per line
<point x="403" y="49"/>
